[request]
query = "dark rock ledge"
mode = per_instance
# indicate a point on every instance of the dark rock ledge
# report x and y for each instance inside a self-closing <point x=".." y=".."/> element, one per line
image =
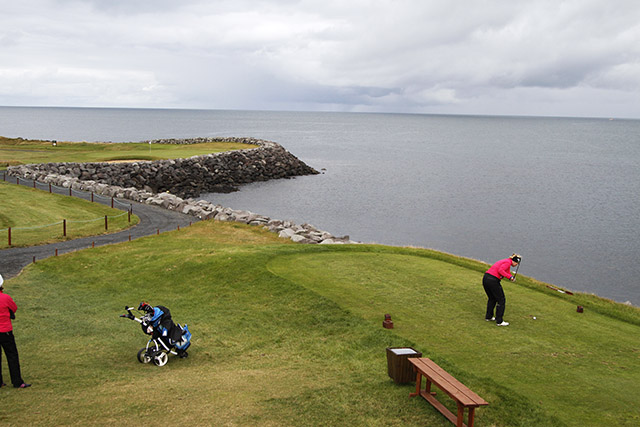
<point x="174" y="184"/>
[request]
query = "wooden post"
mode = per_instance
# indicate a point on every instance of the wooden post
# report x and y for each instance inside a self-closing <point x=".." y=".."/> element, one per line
<point x="93" y="244"/>
<point x="460" y="418"/>
<point x="56" y="252"/>
<point x="34" y="183"/>
<point x="106" y="224"/>
<point x="34" y="259"/>
<point x="92" y="197"/>
<point x="129" y="216"/>
<point x="9" y="236"/>
<point x="112" y="203"/>
<point x="158" y="232"/>
<point x="17" y="181"/>
<point x="64" y="227"/>
<point x="70" y="191"/>
<point x="49" y="187"/>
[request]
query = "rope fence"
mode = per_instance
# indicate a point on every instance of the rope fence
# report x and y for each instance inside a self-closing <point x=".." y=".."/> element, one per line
<point x="78" y="193"/>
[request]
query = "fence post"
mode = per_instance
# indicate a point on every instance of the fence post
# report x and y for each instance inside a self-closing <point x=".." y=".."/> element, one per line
<point x="129" y="216"/>
<point x="34" y="183"/>
<point x="64" y="227"/>
<point x="17" y="180"/>
<point x="70" y="191"/>
<point x="92" y="197"/>
<point x="49" y="187"/>
<point x="106" y="225"/>
<point x="9" y="236"/>
<point x="112" y="203"/>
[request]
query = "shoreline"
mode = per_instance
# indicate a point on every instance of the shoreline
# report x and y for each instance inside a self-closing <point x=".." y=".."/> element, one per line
<point x="202" y="209"/>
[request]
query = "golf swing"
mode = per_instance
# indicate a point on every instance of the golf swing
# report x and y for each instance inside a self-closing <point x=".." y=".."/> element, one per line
<point x="493" y="288"/>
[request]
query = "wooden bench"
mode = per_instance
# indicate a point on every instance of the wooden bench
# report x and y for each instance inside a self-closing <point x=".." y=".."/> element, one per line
<point x="465" y="398"/>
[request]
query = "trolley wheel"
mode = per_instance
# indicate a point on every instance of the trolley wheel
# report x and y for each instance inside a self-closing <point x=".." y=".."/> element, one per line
<point x="142" y="356"/>
<point x="161" y="359"/>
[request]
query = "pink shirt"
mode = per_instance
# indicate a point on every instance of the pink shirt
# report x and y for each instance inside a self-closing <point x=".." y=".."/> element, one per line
<point x="6" y="304"/>
<point x="501" y="269"/>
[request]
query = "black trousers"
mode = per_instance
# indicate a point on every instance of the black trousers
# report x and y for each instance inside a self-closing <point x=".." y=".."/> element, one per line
<point x="8" y="344"/>
<point x="496" y="298"/>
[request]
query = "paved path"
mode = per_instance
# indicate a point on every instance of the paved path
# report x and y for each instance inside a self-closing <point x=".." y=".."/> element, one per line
<point x="152" y="219"/>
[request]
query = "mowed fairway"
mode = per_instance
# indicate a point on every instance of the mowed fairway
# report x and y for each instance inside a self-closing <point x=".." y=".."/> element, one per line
<point x="290" y="334"/>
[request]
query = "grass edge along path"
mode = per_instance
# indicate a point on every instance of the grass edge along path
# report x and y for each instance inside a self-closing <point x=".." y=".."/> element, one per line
<point x="276" y="339"/>
<point x="36" y="216"/>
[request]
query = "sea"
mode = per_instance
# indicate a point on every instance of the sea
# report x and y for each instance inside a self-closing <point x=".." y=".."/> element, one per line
<point x="562" y="192"/>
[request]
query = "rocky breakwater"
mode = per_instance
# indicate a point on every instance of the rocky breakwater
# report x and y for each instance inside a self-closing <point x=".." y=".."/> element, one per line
<point x="210" y="173"/>
<point x="53" y="173"/>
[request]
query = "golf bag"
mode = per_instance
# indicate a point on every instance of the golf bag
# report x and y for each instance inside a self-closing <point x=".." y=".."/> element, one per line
<point x="166" y="336"/>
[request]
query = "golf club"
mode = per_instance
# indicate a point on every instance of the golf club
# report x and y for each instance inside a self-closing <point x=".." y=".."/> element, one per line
<point x="516" y="273"/>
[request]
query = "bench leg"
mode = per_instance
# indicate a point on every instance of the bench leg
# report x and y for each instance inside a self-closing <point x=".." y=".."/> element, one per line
<point x="418" y="385"/>
<point x="460" y="419"/>
<point x="428" y="387"/>
<point x="471" y="414"/>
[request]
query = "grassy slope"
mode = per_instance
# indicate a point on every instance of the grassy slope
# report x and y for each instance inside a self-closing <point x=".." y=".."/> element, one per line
<point x="287" y="334"/>
<point x="19" y="151"/>
<point x="24" y="207"/>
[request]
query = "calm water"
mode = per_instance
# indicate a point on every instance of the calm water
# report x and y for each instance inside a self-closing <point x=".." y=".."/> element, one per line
<point x="562" y="192"/>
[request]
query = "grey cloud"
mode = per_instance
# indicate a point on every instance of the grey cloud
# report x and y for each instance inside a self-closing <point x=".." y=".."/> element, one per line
<point x="408" y="55"/>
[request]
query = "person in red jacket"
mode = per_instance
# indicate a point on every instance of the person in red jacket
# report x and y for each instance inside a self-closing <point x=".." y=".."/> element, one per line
<point x="493" y="288"/>
<point x="7" y="342"/>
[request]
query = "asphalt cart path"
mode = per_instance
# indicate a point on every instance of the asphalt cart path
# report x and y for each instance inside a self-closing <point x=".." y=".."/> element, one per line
<point x="153" y="220"/>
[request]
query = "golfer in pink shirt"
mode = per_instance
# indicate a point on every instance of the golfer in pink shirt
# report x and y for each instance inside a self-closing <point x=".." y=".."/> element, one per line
<point x="493" y="288"/>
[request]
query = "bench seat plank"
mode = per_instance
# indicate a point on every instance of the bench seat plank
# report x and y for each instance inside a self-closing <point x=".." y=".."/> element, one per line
<point x="447" y="383"/>
<point x="464" y="397"/>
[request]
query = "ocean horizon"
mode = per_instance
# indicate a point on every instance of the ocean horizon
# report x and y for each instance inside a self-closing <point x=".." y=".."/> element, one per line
<point x="560" y="191"/>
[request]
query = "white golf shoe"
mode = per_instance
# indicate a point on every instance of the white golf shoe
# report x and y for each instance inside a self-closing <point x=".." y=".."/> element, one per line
<point x="503" y="323"/>
<point x="490" y="320"/>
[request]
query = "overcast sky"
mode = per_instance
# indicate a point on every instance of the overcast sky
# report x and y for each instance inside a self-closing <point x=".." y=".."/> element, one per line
<point x="529" y="57"/>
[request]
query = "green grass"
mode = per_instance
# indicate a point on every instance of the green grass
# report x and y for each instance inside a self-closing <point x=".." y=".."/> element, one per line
<point x="35" y="217"/>
<point x="288" y="334"/>
<point x="15" y="151"/>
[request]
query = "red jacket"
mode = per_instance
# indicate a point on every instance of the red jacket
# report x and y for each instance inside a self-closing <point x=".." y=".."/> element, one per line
<point x="501" y="269"/>
<point x="6" y="304"/>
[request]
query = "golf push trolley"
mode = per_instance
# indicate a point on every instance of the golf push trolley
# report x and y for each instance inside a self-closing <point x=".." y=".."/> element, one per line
<point x="166" y="336"/>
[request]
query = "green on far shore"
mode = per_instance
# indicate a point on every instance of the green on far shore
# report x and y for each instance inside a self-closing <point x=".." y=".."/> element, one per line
<point x="16" y="151"/>
<point x="291" y="334"/>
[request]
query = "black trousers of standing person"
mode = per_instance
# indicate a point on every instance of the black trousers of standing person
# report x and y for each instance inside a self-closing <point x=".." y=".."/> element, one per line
<point x="8" y="344"/>
<point x="496" y="298"/>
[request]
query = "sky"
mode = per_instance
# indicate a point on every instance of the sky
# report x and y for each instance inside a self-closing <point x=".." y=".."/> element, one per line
<point x="577" y="58"/>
